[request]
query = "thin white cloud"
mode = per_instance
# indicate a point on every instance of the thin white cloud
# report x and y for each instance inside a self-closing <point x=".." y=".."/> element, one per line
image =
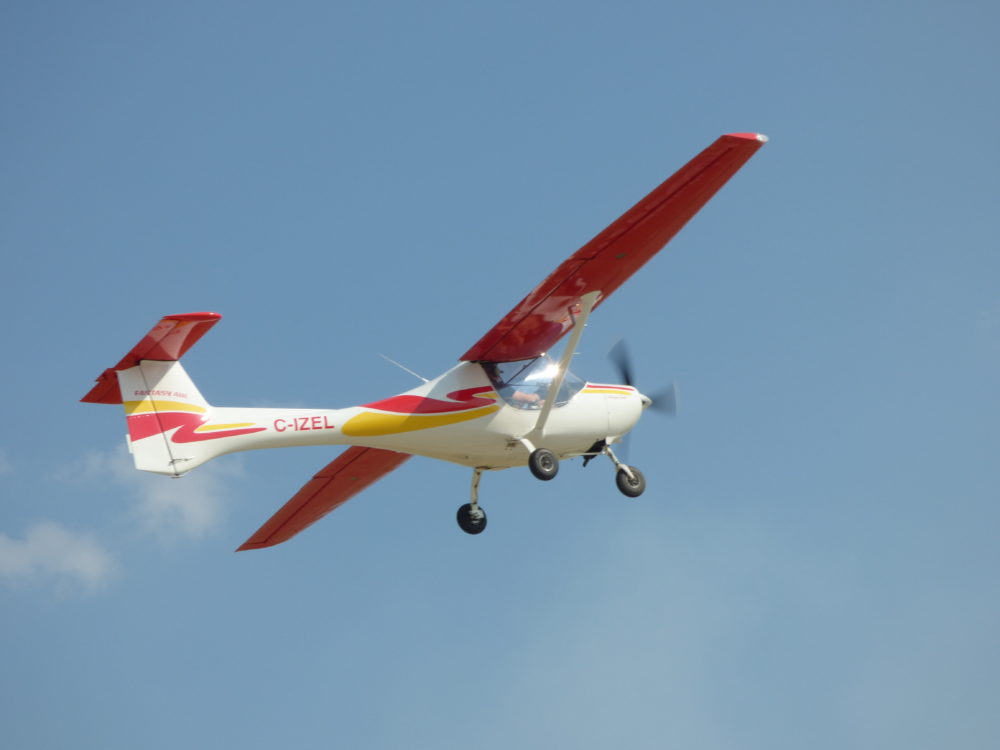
<point x="168" y="508"/>
<point x="50" y="552"/>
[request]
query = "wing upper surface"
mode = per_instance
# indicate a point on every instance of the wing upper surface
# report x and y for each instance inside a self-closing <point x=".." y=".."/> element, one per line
<point x="339" y="481"/>
<point x="603" y="264"/>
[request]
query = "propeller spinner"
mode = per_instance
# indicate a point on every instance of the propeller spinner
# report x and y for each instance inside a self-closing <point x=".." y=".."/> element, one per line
<point x="663" y="400"/>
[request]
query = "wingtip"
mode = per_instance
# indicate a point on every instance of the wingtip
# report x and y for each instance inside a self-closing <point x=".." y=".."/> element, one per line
<point x="749" y="136"/>
<point x="250" y="544"/>
<point x="195" y="316"/>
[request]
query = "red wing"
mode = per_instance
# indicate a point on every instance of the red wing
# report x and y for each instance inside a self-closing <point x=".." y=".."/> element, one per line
<point x="168" y="341"/>
<point x="604" y="263"/>
<point x="352" y="471"/>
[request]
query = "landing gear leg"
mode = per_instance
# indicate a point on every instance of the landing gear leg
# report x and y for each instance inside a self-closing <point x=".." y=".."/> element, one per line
<point x="629" y="479"/>
<point x="471" y="518"/>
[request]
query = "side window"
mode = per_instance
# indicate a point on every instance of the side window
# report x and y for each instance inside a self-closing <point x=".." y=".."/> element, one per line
<point x="525" y="384"/>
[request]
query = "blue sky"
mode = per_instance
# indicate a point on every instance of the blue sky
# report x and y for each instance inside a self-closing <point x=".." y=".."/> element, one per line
<point x="814" y="563"/>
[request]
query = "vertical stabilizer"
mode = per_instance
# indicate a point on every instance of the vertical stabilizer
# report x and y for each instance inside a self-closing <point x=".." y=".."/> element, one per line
<point x="164" y="410"/>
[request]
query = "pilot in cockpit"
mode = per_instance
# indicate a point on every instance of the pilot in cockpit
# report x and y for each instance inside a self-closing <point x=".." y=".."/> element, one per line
<point x="523" y="385"/>
<point x="525" y="400"/>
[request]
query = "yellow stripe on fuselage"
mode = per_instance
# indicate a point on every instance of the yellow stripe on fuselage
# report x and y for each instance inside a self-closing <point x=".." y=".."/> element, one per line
<point x="370" y="424"/>
<point x="234" y="426"/>
<point x="147" y="406"/>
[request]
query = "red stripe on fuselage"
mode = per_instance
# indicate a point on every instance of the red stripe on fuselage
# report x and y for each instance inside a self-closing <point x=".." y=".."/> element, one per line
<point x="467" y="398"/>
<point x="146" y="425"/>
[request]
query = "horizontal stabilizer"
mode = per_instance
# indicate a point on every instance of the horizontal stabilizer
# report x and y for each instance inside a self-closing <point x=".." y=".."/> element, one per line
<point x="167" y="342"/>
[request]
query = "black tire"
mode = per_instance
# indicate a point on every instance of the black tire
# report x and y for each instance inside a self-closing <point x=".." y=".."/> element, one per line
<point x="543" y="464"/>
<point x="631" y="487"/>
<point x="467" y="523"/>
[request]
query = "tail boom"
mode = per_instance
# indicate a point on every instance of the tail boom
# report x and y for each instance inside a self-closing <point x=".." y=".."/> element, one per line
<point x="171" y="437"/>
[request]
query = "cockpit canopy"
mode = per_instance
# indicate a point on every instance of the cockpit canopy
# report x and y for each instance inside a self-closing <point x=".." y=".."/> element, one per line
<point x="525" y="384"/>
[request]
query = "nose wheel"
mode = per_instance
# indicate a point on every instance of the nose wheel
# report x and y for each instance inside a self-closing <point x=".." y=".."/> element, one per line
<point x="630" y="486"/>
<point x="629" y="479"/>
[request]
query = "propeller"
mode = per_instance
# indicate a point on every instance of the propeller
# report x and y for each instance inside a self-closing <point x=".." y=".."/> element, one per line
<point x="664" y="400"/>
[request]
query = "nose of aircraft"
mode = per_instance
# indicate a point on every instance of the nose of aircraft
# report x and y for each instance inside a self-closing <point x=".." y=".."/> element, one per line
<point x="663" y="401"/>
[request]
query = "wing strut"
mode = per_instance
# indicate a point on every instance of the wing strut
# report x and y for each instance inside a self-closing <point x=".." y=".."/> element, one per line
<point x="586" y="304"/>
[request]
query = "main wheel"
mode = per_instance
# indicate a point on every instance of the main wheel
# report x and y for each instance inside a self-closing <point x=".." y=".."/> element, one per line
<point x="543" y="463"/>
<point x="629" y="486"/>
<point x="468" y="523"/>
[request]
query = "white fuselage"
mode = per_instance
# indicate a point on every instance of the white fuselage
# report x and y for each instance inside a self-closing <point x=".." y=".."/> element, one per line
<point x="457" y="417"/>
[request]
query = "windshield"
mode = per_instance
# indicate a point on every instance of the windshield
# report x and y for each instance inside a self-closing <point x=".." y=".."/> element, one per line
<point x="525" y="384"/>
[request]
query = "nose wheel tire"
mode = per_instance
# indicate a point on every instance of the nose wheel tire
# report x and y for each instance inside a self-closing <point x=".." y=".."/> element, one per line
<point x="543" y="464"/>
<point x="471" y="522"/>
<point x="630" y="486"/>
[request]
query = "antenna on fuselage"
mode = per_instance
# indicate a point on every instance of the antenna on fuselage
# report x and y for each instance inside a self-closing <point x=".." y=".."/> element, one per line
<point x="404" y="368"/>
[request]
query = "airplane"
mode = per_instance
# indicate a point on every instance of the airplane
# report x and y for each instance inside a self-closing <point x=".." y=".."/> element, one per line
<point x="507" y="403"/>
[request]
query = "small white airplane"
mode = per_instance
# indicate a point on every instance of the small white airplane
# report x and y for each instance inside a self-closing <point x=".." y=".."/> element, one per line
<point x="506" y="403"/>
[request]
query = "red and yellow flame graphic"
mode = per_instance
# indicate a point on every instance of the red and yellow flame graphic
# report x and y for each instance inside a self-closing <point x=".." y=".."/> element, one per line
<point x="154" y="417"/>
<point x="407" y="413"/>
